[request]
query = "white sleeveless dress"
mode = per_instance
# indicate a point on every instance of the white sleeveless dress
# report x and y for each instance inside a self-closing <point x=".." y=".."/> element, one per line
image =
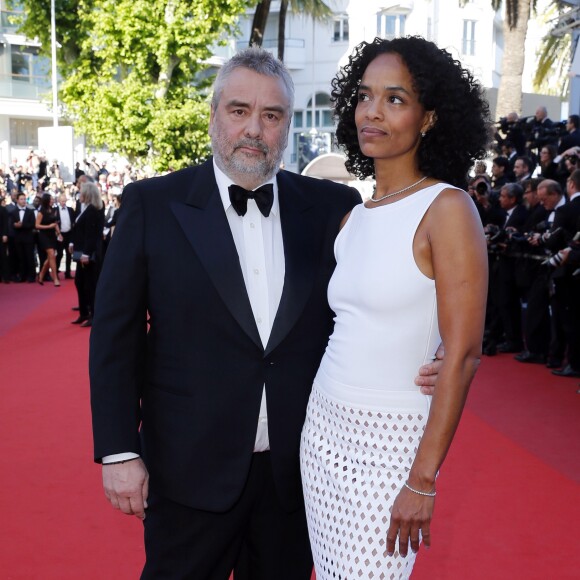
<point x="366" y="416"/>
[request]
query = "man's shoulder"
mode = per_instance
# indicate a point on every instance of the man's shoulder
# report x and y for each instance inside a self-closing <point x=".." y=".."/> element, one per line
<point x="173" y="182"/>
<point x="320" y="189"/>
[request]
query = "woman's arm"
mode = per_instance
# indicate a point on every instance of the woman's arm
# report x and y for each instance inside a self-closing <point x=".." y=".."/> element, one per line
<point x="458" y="257"/>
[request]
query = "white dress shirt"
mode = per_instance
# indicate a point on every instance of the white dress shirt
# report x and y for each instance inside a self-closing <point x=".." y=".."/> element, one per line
<point x="260" y="247"/>
<point x="65" y="223"/>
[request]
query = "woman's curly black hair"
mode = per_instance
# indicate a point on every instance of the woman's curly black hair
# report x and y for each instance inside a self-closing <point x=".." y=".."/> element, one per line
<point x="461" y="132"/>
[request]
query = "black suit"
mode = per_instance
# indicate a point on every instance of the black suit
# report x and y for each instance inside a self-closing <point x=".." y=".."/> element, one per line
<point x="24" y="243"/>
<point x="87" y="237"/>
<point x="569" y="141"/>
<point x="568" y="286"/>
<point x="173" y="257"/>
<point x="509" y="294"/>
<point x="62" y="247"/>
<point x="4" y="262"/>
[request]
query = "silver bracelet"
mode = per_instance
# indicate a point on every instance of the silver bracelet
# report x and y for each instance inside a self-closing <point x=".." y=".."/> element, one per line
<point x="425" y="493"/>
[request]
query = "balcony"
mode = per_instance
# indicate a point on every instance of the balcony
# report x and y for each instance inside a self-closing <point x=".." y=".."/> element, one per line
<point x="23" y="87"/>
<point x="294" y="50"/>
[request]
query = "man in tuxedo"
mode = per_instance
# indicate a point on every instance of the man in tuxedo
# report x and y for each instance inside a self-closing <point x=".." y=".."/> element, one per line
<point x="23" y="222"/>
<point x="509" y="293"/>
<point x="210" y="324"/>
<point x="572" y="139"/>
<point x="66" y="219"/>
<point x="567" y="286"/>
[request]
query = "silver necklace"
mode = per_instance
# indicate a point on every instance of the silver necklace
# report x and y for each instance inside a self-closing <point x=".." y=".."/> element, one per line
<point x="396" y="192"/>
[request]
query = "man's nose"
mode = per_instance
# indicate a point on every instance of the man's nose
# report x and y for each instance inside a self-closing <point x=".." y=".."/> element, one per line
<point x="254" y="126"/>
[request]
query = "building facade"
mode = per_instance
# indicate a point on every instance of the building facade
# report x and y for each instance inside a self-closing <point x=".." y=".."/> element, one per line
<point x="25" y="85"/>
<point x="314" y="51"/>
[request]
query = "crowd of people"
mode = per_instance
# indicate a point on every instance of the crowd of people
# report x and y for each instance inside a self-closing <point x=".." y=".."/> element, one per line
<point x="46" y="224"/>
<point x="530" y="208"/>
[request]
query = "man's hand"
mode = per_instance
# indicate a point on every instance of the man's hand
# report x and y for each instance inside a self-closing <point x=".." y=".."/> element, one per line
<point x="428" y="373"/>
<point x="126" y="486"/>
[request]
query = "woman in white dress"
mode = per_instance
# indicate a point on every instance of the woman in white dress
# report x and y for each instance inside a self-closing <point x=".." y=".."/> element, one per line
<point x="411" y="271"/>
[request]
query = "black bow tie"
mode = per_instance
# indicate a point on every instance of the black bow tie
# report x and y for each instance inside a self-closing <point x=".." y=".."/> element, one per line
<point x="264" y="197"/>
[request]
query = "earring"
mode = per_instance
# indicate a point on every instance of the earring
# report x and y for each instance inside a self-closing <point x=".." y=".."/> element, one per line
<point x="423" y="134"/>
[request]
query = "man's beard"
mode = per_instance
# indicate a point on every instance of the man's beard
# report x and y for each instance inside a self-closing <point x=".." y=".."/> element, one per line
<point x="233" y="162"/>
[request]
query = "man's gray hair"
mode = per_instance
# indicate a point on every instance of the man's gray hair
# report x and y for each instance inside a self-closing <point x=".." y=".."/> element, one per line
<point x="258" y="60"/>
<point x="514" y="190"/>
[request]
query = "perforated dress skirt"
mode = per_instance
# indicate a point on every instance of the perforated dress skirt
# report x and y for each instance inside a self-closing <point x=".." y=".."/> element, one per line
<point x="365" y="416"/>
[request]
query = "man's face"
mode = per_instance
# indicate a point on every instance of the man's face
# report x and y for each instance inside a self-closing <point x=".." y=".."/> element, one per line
<point x="505" y="200"/>
<point x="249" y="127"/>
<point x="548" y="200"/>
<point x="530" y="197"/>
<point x="540" y="114"/>
<point x="21" y="200"/>
<point x="520" y="168"/>
<point x="497" y="170"/>
<point x="569" y="125"/>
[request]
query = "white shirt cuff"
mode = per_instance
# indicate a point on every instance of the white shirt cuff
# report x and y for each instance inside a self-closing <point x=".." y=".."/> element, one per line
<point x="119" y="457"/>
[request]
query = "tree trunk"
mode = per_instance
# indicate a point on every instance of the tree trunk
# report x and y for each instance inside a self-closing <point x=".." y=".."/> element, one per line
<point x="509" y="96"/>
<point x="259" y="22"/>
<point x="282" y="28"/>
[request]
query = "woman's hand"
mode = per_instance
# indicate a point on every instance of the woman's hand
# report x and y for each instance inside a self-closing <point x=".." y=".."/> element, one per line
<point x="411" y="514"/>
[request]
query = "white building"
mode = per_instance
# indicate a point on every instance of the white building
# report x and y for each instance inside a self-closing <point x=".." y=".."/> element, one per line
<point x="313" y="53"/>
<point x="24" y="83"/>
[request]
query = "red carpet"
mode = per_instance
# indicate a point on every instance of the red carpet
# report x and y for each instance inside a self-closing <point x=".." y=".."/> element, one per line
<point x="509" y="498"/>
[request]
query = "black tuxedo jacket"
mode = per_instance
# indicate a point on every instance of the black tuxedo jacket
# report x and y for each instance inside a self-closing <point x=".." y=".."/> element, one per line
<point x="191" y="382"/>
<point x="567" y="216"/>
<point x="87" y="233"/>
<point x="518" y="218"/>
<point x="71" y="215"/>
<point x="25" y="233"/>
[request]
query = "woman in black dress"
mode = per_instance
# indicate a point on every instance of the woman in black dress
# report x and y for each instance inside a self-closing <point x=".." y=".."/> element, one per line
<point x="48" y="234"/>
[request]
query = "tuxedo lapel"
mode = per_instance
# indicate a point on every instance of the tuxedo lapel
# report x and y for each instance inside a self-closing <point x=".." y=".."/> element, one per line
<point x="300" y="256"/>
<point x="203" y="220"/>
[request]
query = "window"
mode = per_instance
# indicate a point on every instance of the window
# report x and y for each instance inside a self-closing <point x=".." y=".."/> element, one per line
<point x="468" y="42"/>
<point x="390" y="25"/>
<point x="298" y="118"/>
<point x="340" y="28"/>
<point x="27" y="66"/>
<point x="24" y="132"/>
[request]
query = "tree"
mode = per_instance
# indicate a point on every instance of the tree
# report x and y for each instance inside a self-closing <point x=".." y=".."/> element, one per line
<point x="316" y="9"/>
<point x="515" y="29"/>
<point x="555" y="52"/>
<point x="134" y="78"/>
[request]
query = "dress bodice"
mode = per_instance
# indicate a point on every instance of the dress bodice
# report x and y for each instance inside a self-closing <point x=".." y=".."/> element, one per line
<point x="386" y="311"/>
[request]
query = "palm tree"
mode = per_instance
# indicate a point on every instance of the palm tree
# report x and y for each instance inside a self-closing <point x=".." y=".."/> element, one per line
<point x="317" y="9"/>
<point x="515" y="29"/>
<point x="555" y="52"/>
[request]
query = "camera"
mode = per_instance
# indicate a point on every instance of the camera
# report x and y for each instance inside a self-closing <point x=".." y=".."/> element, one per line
<point x="556" y="259"/>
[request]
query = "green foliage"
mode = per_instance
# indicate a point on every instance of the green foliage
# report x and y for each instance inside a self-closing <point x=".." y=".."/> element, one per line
<point x="555" y="54"/>
<point x="133" y="71"/>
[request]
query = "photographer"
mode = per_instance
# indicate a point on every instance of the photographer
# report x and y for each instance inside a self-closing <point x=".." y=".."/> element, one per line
<point x="509" y="130"/>
<point x="551" y="241"/>
<point x="534" y="280"/>
<point x="572" y="139"/>
<point x="567" y="285"/>
<point x="501" y="172"/>
<point x="504" y="321"/>
<point x="541" y="131"/>
<point x="523" y="168"/>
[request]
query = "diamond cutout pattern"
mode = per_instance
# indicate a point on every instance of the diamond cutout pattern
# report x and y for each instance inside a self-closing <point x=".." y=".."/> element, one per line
<point x="356" y="488"/>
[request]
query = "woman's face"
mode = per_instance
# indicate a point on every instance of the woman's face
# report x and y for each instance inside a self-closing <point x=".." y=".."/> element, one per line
<point x="389" y="118"/>
<point x="544" y="155"/>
